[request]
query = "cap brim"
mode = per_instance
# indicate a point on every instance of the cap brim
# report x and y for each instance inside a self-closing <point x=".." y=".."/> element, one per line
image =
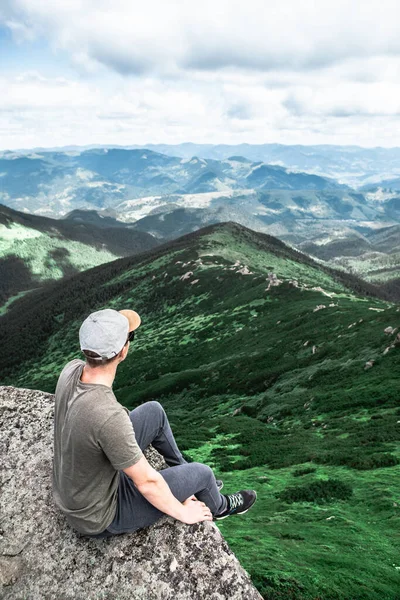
<point x="133" y="318"/>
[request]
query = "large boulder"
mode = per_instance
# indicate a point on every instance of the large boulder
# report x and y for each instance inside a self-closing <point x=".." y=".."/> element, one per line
<point x="41" y="557"/>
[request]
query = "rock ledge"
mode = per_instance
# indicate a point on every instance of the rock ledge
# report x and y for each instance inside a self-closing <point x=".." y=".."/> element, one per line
<point x="41" y="557"/>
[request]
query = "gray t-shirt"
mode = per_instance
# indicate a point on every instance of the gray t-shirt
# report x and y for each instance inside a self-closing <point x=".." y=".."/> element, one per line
<point x="93" y="441"/>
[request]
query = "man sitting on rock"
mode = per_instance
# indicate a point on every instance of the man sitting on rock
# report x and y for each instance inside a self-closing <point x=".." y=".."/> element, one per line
<point x="102" y="482"/>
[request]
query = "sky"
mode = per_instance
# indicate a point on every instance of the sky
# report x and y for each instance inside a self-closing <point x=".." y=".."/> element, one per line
<point x="82" y="72"/>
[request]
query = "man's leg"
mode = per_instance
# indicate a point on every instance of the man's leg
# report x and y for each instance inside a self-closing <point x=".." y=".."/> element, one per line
<point x="135" y="512"/>
<point x="151" y="426"/>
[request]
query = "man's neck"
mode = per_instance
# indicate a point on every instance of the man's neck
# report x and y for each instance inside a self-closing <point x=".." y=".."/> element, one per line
<point x="99" y="375"/>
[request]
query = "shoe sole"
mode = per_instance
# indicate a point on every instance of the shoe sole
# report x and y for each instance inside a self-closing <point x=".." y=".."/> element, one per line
<point x="237" y="513"/>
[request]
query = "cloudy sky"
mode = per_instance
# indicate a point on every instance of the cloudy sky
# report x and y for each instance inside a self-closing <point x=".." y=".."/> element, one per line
<point x="207" y="71"/>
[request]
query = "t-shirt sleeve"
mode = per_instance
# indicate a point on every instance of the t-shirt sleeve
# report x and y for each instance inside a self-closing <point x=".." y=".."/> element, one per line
<point x="117" y="440"/>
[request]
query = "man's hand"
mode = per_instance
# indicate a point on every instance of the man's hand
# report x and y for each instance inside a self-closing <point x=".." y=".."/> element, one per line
<point x="195" y="511"/>
<point x="156" y="490"/>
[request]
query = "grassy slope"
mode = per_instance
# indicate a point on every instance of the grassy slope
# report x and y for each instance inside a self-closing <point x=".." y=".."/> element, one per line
<point x="35" y="248"/>
<point x="43" y="257"/>
<point x="223" y="345"/>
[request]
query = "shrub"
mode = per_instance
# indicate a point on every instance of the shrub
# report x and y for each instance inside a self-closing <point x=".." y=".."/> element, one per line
<point x="324" y="490"/>
<point x="304" y="471"/>
<point x="374" y="461"/>
<point x="249" y="410"/>
<point x="276" y="587"/>
<point x="358" y="460"/>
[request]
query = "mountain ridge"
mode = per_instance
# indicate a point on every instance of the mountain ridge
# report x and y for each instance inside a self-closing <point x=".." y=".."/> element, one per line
<point x="337" y="161"/>
<point x="42" y="297"/>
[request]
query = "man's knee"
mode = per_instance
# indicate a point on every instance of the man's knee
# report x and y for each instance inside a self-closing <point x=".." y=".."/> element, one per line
<point x="154" y="412"/>
<point x="153" y="406"/>
<point x="203" y="471"/>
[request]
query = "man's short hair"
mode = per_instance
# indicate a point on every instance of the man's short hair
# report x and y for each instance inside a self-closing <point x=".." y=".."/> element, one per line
<point x="95" y="360"/>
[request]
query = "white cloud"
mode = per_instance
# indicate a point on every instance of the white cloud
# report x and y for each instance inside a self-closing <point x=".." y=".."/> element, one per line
<point x="162" y="37"/>
<point x="215" y="71"/>
<point x="346" y="100"/>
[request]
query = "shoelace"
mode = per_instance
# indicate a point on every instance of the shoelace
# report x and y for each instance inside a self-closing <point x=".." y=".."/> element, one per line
<point x="235" y="500"/>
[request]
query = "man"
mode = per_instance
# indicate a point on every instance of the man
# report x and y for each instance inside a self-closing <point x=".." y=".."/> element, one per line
<point x="102" y="482"/>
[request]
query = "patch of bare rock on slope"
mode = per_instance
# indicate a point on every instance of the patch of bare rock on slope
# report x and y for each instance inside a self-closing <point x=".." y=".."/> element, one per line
<point x="41" y="557"/>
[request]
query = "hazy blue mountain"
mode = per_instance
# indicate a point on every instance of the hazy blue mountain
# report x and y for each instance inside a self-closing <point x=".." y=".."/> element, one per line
<point x="392" y="208"/>
<point x="385" y="184"/>
<point x="352" y="165"/>
<point x="54" y="183"/>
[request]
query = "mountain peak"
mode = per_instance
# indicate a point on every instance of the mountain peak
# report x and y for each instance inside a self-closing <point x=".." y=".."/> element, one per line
<point x="241" y="159"/>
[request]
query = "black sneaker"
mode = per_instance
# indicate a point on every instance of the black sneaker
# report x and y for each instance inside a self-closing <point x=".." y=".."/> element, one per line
<point x="238" y="503"/>
<point x="220" y="484"/>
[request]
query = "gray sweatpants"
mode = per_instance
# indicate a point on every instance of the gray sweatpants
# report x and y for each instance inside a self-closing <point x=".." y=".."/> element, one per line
<point x="184" y="479"/>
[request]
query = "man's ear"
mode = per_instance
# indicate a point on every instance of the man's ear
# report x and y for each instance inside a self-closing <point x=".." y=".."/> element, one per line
<point x="124" y="352"/>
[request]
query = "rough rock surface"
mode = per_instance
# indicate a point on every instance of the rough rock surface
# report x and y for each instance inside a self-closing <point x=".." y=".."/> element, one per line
<point x="41" y="557"/>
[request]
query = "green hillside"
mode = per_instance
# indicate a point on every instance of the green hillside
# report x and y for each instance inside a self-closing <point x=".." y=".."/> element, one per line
<point x="275" y="371"/>
<point x="35" y="250"/>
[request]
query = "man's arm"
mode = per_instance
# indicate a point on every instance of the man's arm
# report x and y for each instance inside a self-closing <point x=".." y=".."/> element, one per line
<point x="156" y="490"/>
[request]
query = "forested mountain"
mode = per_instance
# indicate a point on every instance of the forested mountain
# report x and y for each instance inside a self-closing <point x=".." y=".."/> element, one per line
<point x="289" y="210"/>
<point x="373" y="254"/>
<point x="273" y="369"/>
<point x="104" y="219"/>
<point x="35" y="249"/>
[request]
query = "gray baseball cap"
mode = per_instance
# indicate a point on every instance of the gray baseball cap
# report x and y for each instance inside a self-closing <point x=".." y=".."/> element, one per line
<point x="105" y="332"/>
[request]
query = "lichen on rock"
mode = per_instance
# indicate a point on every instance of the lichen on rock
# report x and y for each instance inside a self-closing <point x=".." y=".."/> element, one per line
<point x="42" y="558"/>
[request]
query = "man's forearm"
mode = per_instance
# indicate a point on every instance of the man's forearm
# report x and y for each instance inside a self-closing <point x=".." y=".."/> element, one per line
<point x="158" y="493"/>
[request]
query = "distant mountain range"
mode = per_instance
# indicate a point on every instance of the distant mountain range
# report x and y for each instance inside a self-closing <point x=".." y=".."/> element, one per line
<point x="278" y="212"/>
<point x="147" y="192"/>
<point x="133" y="184"/>
<point x="352" y="165"/>
<point x="54" y="183"/>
